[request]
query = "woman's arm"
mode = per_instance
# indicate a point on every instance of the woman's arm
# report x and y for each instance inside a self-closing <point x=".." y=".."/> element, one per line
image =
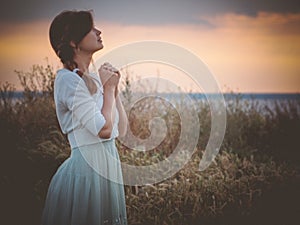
<point x="123" y="121"/>
<point x="107" y="109"/>
<point x="110" y="81"/>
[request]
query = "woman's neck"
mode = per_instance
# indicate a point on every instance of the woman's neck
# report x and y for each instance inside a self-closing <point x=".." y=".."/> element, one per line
<point x="83" y="61"/>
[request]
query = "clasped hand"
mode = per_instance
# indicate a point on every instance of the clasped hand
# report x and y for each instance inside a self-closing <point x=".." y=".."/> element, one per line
<point x="109" y="76"/>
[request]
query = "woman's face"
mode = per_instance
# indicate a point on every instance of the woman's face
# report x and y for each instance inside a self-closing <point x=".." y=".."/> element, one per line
<point x="91" y="42"/>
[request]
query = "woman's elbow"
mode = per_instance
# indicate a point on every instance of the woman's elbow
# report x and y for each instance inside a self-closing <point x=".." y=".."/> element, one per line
<point x="105" y="132"/>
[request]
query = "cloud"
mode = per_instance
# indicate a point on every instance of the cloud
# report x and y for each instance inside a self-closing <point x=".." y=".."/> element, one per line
<point x="253" y="53"/>
<point x="143" y="12"/>
<point x="272" y="23"/>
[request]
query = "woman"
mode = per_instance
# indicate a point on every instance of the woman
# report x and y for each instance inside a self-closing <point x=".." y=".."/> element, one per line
<point x="87" y="188"/>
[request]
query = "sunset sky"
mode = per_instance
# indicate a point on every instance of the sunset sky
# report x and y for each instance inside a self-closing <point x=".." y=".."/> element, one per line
<point x="249" y="45"/>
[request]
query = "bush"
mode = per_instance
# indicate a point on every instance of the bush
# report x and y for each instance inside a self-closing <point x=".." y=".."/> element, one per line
<point x="255" y="158"/>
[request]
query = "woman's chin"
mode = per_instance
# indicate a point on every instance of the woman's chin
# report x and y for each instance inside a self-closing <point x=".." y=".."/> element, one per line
<point x="100" y="46"/>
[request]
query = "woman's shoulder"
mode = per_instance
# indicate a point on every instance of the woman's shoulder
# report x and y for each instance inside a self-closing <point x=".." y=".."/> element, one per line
<point x="66" y="81"/>
<point x="65" y="78"/>
<point x="65" y="74"/>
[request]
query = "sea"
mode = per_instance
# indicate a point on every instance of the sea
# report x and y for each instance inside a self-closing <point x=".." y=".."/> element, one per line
<point x="262" y="102"/>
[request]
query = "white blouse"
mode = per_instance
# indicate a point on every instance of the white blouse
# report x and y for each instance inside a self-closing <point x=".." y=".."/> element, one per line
<point x="78" y="112"/>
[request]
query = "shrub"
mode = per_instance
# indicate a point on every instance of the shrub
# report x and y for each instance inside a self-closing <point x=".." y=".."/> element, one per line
<point x="254" y="158"/>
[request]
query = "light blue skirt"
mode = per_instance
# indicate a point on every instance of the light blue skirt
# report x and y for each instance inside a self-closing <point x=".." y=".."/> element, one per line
<point x="87" y="188"/>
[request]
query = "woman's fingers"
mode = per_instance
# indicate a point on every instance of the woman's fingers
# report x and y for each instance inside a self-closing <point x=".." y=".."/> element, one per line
<point x="104" y="74"/>
<point x="113" y="80"/>
<point x="109" y="67"/>
<point x="109" y="75"/>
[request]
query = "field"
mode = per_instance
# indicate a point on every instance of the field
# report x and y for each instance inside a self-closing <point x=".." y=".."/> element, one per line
<point x="255" y="179"/>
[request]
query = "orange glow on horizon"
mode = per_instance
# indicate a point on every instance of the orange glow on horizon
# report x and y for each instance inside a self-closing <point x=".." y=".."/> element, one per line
<point x="248" y="54"/>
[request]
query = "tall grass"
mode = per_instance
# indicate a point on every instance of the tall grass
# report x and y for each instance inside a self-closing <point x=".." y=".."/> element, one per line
<point x="257" y="164"/>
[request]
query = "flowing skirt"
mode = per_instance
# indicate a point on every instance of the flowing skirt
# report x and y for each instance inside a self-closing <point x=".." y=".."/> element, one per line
<point x="87" y="188"/>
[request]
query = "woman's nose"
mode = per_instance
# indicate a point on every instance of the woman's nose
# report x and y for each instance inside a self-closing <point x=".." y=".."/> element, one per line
<point x="98" y="32"/>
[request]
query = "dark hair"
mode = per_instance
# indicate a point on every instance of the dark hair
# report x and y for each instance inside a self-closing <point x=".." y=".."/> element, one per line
<point x="71" y="26"/>
<point x="66" y="27"/>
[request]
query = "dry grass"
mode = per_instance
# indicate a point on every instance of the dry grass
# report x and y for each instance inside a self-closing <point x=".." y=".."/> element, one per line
<point x="259" y="153"/>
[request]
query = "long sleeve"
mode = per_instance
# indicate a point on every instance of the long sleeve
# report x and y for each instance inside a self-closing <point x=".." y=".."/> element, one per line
<point x="78" y="112"/>
<point x="81" y="104"/>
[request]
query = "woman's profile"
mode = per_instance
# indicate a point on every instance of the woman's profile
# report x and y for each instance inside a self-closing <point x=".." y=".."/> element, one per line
<point x="87" y="188"/>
